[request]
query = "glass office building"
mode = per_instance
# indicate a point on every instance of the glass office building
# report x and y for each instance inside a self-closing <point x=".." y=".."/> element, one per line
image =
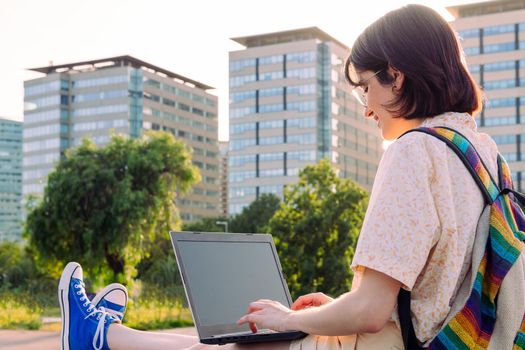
<point x="290" y="106"/>
<point x="10" y="180"/>
<point x="123" y="95"/>
<point x="223" y="171"/>
<point x="493" y="38"/>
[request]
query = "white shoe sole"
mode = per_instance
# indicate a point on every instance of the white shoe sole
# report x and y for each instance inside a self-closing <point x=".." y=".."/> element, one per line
<point x="63" y="298"/>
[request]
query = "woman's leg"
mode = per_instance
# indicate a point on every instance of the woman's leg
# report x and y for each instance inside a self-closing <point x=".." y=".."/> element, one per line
<point x="120" y="337"/>
<point x="83" y="325"/>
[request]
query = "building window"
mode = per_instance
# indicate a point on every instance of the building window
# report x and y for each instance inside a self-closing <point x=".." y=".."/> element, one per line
<point x="500" y="29"/>
<point x="238" y="65"/>
<point x="241" y="80"/>
<point x="500" y="47"/>
<point x="302" y="139"/>
<point x="498" y="121"/>
<point x="499" y="84"/>
<point x="271" y="108"/>
<point x="301" y="57"/>
<point x="498" y="66"/>
<point x="241" y="128"/>
<point x="37" y="89"/>
<point x="241" y="112"/>
<point x="471" y="51"/>
<point x="82" y="83"/>
<point x="83" y="112"/>
<point x="270" y="59"/>
<point x="504" y="139"/>
<point x="236" y="97"/>
<point x="236" y="145"/>
<point x="271" y="75"/>
<point x="183" y="107"/>
<point x="469" y="33"/>
<point x="502" y="102"/>
<point x="302" y="73"/>
<point x="271" y="124"/>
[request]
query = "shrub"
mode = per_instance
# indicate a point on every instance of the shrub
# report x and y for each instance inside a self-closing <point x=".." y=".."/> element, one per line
<point x="19" y="312"/>
<point x="151" y="313"/>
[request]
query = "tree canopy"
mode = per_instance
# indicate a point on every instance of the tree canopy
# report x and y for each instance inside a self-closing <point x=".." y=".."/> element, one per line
<point x="205" y="225"/>
<point x="255" y="217"/>
<point x="103" y="206"/>
<point x="316" y="229"/>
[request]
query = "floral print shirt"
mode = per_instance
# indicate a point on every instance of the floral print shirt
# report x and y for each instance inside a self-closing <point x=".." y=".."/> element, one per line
<point x="421" y="220"/>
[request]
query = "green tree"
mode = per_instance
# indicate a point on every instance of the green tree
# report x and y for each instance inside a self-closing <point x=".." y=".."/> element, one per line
<point x="20" y="276"/>
<point x="316" y="230"/>
<point x="205" y="225"/>
<point x="104" y="206"/>
<point x="255" y="217"/>
<point x="11" y="255"/>
<point x="159" y="272"/>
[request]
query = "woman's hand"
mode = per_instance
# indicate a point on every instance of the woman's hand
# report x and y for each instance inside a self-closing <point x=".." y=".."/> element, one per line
<point x="266" y="314"/>
<point x="273" y="315"/>
<point x="364" y="310"/>
<point x="311" y="300"/>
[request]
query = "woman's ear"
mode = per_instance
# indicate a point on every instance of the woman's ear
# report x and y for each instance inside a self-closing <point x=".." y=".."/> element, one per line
<point x="398" y="79"/>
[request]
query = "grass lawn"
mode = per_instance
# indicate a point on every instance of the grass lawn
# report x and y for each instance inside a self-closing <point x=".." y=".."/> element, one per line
<point x="19" y="313"/>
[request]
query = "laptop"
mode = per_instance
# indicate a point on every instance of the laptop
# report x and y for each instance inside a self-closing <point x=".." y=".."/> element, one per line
<point x="222" y="273"/>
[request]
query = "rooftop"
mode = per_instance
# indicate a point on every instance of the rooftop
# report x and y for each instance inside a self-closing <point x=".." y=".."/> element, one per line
<point x="286" y="37"/>
<point x="485" y="8"/>
<point x="121" y="61"/>
<point x="7" y="120"/>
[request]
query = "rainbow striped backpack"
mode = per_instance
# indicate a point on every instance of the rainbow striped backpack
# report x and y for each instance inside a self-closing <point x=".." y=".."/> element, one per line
<point x="489" y="309"/>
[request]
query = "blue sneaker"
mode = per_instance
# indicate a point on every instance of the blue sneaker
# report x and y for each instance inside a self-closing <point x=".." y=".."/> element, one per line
<point x="83" y="325"/>
<point x="113" y="298"/>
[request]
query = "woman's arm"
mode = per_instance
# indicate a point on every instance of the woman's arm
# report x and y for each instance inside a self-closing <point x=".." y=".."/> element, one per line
<point x="364" y="310"/>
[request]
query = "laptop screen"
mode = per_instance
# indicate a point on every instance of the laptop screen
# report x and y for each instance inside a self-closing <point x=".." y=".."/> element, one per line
<point x="222" y="278"/>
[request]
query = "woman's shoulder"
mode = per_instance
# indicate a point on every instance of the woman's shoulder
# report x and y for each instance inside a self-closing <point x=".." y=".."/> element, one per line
<point x="411" y="156"/>
<point x="414" y="146"/>
<point x="421" y="150"/>
<point x="416" y="143"/>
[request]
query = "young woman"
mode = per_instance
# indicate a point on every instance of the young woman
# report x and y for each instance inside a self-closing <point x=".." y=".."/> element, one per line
<point x="408" y="70"/>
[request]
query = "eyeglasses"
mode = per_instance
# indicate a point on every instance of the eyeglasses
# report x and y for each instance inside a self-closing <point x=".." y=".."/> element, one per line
<point x="360" y="93"/>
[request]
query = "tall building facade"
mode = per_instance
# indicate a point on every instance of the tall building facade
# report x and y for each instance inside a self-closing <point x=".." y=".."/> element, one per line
<point x="290" y="106"/>
<point x="10" y="180"/>
<point x="493" y="38"/>
<point x="223" y="170"/>
<point x="123" y="95"/>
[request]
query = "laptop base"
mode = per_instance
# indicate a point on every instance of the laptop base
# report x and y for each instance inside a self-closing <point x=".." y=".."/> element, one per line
<point x="254" y="338"/>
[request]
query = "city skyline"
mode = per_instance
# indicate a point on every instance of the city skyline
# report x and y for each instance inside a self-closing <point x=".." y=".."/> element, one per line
<point x="129" y="97"/>
<point x="36" y="34"/>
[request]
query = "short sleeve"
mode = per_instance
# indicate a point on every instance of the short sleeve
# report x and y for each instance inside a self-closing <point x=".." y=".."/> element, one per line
<point x="401" y="222"/>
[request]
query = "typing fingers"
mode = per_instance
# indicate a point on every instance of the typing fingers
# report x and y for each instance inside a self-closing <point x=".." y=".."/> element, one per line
<point x="302" y="302"/>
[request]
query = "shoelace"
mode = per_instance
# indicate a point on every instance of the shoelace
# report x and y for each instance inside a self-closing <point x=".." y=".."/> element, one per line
<point x="100" y="313"/>
<point x="115" y="313"/>
<point x="99" y="332"/>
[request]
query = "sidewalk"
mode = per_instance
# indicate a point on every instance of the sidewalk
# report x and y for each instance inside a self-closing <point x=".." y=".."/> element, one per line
<point x="42" y="340"/>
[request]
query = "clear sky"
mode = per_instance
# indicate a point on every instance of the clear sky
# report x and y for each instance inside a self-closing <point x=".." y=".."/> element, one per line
<point x="188" y="37"/>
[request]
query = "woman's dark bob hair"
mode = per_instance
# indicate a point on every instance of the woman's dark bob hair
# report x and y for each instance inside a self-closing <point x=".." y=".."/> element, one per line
<point x="418" y="42"/>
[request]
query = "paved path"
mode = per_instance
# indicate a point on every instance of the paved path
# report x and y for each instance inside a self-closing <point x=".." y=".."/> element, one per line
<point x="42" y="340"/>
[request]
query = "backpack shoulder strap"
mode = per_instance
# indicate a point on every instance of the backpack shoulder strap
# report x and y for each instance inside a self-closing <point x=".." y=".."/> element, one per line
<point x="505" y="180"/>
<point x="505" y="177"/>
